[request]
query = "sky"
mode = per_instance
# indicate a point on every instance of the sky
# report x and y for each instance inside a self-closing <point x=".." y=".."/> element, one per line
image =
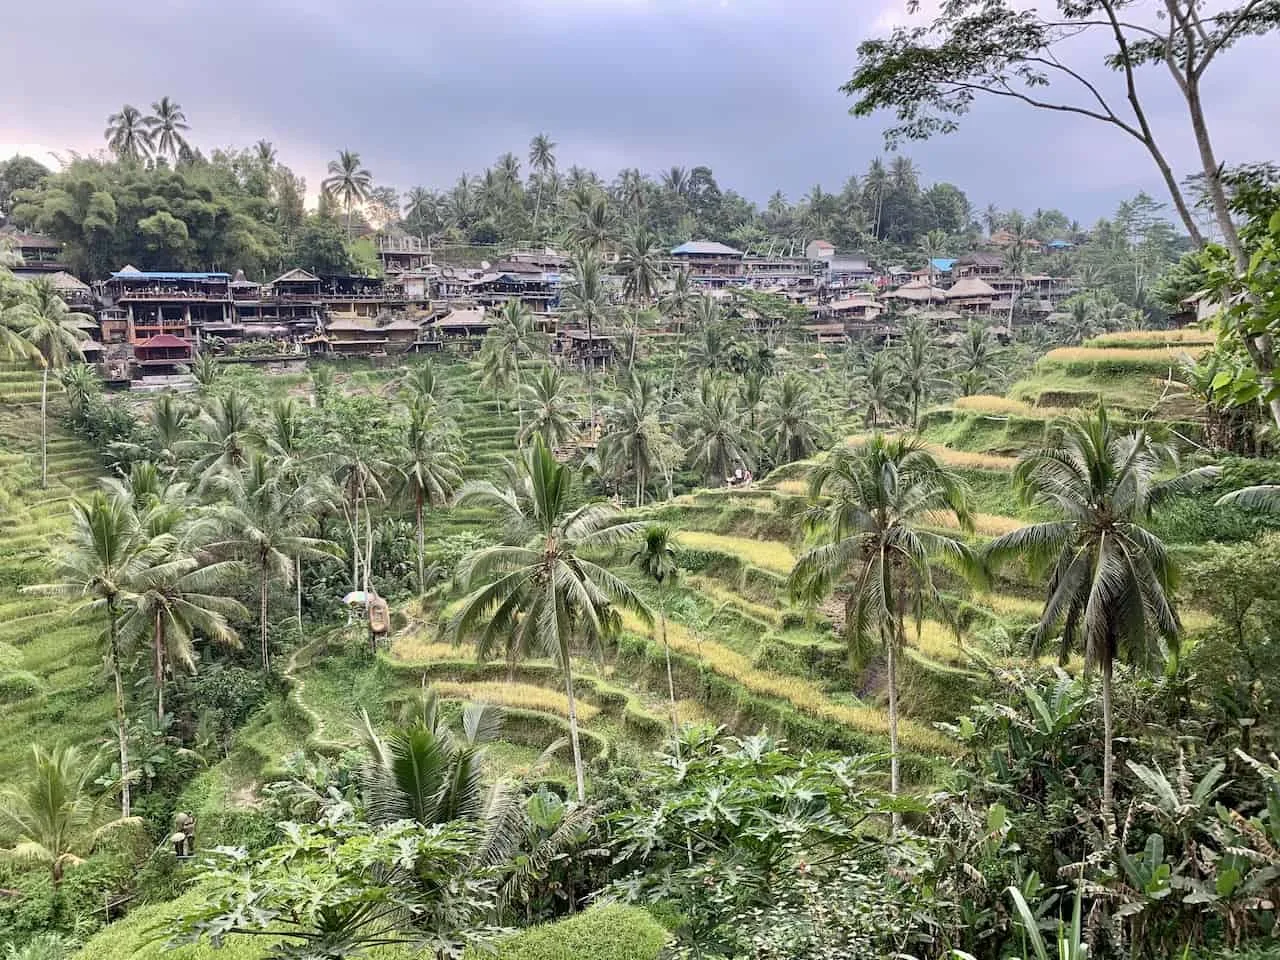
<point x="425" y="90"/>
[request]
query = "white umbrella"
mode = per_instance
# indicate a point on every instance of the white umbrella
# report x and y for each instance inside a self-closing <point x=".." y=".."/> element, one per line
<point x="357" y="596"/>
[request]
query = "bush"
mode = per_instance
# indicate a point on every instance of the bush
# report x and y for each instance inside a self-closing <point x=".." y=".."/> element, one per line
<point x="609" y="932"/>
<point x="18" y="685"/>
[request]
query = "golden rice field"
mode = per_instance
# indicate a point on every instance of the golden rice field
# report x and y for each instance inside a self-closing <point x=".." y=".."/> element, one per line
<point x="768" y="554"/>
<point x="937" y="641"/>
<point x="722" y="594"/>
<point x="805" y="696"/>
<point x="1136" y="356"/>
<point x="1012" y="606"/>
<point x="799" y="488"/>
<point x="520" y="696"/>
<point x="1187" y="335"/>
<point x="984" y="524"/>
<point x="957" y="459"/>
<point x="419" y="648"/>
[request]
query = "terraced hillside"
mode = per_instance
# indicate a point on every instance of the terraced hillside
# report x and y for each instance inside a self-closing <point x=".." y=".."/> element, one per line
<point x="50" y="662"/>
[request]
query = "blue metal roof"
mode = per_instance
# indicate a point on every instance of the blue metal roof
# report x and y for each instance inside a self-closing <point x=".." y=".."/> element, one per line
<point x="944" y="264"/>
<point x="706" y="247"/>
<point x="167" y="275"/>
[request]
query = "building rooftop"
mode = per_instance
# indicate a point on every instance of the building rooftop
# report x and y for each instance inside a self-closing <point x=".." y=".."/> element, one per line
<point x="981" y="260"/>
<point x="129" y="273"/>
<point x="165" y="340"/>
<point x="943" y="264"/>
<point x="705" y="248"/>
<point x="971" y="287"/>
<point x="297" y="275"/>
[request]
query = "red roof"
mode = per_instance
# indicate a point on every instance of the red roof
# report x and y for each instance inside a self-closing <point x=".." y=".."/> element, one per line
<point x="165" y="340"/>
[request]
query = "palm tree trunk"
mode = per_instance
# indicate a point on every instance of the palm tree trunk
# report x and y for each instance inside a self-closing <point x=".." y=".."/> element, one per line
<point x="422" y="576"/>
<point x="1108" y="760"/>
<point x="158" y="654"/>
<point x="122" y="734"/>
<point x="671" y="685"/>
<point x="44" y="428"/>
<point x="368" y="552"/>
<point x="297" y="582"/>
<point x="894" y="784"/>
<point x="262" y="617"/>
<point x="573" y="727"/>
<point x="518" y="404"/>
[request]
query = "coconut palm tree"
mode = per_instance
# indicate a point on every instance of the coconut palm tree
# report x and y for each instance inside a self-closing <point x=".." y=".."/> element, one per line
<point x="977" y="359"/>
<point x="348" y="181"/>
<point x="876" y="499"/>
<point x="1109" y="579"/>
<point x="498" y="370"/>
<point x="676" y="182"/>
<point x="258" y="518"/>
<point x="656" y="559"/>
<point x="717" y="437"/>
<point x="430" y="468"/>
<point x="422" y="210"/>
<point x="167" y="123"/>
<point x="54" y="332"/>
<point x="634" y="440"/>
<point x="264" y="152"/>
<point x="104" y="555"/>
<point x="129" y="135"/>
<point x="585" y="302"/>
<point x="549" y="409"/>
<point x="932" y="246"/>
<point x="790" y="426"/>
<point x="921" y="372"/>
<point x="594" y="229"/>
<point x="542" y="160"/>
<point x="1264" y="498"/>
<point x="81" y="384"/>
<point x="546" y="593"/>
<point x="227" y="432"/>
<point x="516" y="335"/>
<point x="175" y="599"/>
<point x="877" y="391"/>
<point x="641" y="266"/>
<point x="54" y="813"/>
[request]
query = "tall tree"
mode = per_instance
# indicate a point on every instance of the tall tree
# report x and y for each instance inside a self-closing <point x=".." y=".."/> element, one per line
<point x="167" y="124"/>
<point x="129" y="135"/>
<point x="430" y="466"/>
<point x="634" y="441"/>
<point x="55" y="334"/>
<point x="348" y="181"/>
<point x="790" y="424"/>
<point x="259" y="516"/>
<point x="656" y="559"/>
<point x="876" y="499"/>
<point x="718" y="440"/>
<point x="1110" y="579"/>
<point x="546" y="593"/>
<point x="586" y="302"/>
<point x="542" y="160"/>
<point x="105" y="553"/>
<point x="549" y="408"/>
<point x="516" y="335"/>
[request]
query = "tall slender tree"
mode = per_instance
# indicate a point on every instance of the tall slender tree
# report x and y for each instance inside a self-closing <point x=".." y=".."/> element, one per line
<point x="542" y="160"/>
<point x="430" y="466"/>
<point x="348" y="181"/>
<point x="55" y="334"/>
<point x="129" y="135"/>
<point x="546" y="593"/>
<point x="656" y="559"/>
<point x="167" y="124"/>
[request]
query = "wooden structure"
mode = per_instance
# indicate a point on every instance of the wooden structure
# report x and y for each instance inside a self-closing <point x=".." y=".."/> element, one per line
<point x="708" y="263"/>
<point x="172" y="303"/>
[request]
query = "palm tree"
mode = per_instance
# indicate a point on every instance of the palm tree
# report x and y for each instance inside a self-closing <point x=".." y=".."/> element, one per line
<point x="551" y="411"/>
<point x="55" y="334"/>
<point x="542" y="160"/>
<point x="789" y="422"/>
<point x="264" y="152"/>
<point x="258" y="520"/>
<point x="423" y="387"/>
<point x="718" y="439"/>
<point x="546" y="593"/>
<point x="656" y="559"/>
<point x="498" y="370"/>
<point x="586" y="303"/>
<point x="430" y="466"/>
<point x="976" y="359"/>
<point x="1264" y="498"/>
<point x="641" y="266"/>
<point x="920" y="370"/>
<point x="422" y="208"/>
<point x="54" y="814"/>
<point x="877" y="390"/>
<point x="421" y="770"/>
<point x="227" y="433"/>
<point x="876" y="498"/>
<point x="1109" y="578"/>
<point x="128" y="135"/>
<point x="992" y="218"/>
<point x="517" y="336"/>
<point x="81" y="384"/>
<point x="634" y="441"/>
<point x="676" y="182"/>
<point x="175" y="599"/>
<point x="933" y="245"/>
<point x="594" y="228"/>
<point x="167" y="122"/>
<point x="106" y="552"/>
<point x="348" y="181"/>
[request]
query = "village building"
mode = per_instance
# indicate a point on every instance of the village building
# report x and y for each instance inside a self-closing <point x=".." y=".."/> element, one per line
<point x="820" y="250"/>
<point x="36" y="252"/>
<point x="527" y="282"/>
<point x="709" y="264"/>
<point x="174" y="303"/>
<point x="917" y="292"/>
<point x="982" y="265"/>
<point x="368" y="336"/>
<point x="463" y="328"/>
<point x="972" y="295"/>
<point x="844" y="271"/>
<point x="584" y="349"/>
<point x="399" y="251"/>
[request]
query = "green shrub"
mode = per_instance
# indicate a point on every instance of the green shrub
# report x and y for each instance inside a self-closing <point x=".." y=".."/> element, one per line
<point x="18" y="685"/>
<point x="608" y="932"/>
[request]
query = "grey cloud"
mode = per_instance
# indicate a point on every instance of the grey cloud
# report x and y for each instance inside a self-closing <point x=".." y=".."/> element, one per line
<point x="425" y="90"/>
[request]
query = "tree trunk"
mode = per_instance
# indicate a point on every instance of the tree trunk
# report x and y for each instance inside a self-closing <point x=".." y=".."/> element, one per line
<point x="158" y="653"/>
<point x="368" y="553"/>
<point x="422" y="547"/>
<point x="671" y="685"/>
<point x="297" y="582"/>
<point x="262" y="618"/>
<point x="44" y="428"/>
<point x="573" y="728"/>
<point x="519" y="405"/>
<point x="894" y="783"/>
<point x="591" y="380"/>
<point x="1108" y="760"/>
<point x="639" y="489"/>
<point x="122" y="733"/>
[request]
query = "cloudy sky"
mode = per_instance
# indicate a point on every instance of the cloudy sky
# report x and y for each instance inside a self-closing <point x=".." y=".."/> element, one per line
<point x="426" y="89"/>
